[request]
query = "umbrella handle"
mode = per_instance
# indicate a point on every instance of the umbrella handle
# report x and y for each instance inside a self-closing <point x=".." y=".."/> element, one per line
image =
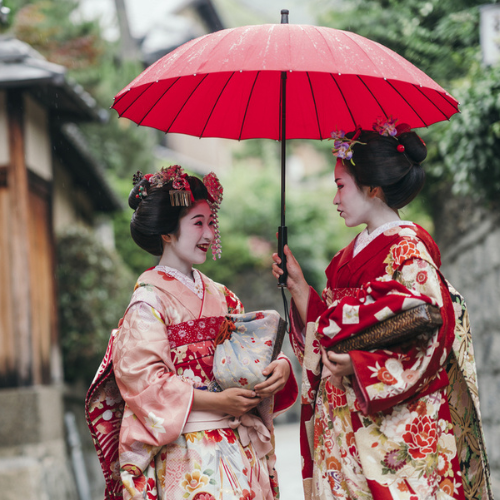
<point x="282" y="241"/>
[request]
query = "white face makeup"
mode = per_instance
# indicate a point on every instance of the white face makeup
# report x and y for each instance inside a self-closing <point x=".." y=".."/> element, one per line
<point x="353" y="202"/>
<point x="363" y="205"/>
<point x="192" y="241"/>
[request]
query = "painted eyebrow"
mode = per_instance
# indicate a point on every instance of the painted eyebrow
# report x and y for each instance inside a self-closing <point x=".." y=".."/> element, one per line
<point x="201" y="216"/>
<point x="338" y="179"/>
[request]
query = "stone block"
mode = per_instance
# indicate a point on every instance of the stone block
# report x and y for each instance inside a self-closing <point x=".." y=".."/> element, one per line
<point x="492" y="438"/>
<point x="495" y="482"/>
<point x="20" y="477"/>
<point x="489" y="401"/>
<point x="487" y="351"/>
<point x="30" y="415"/>
<point x="492" y="249"/>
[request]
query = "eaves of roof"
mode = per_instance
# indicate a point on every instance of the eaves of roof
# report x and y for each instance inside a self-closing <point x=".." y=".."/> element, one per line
<point x="23" y="67"/>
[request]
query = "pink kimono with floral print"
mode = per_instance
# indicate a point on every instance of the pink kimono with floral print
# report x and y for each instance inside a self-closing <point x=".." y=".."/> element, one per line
<point x="407" y="425"/>
<point x="157" y="367"/>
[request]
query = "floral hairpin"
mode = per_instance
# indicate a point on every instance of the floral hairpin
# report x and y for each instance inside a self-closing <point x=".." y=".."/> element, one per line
<point x="386" y="126"/>
<point x="342" y="145"/>
<point x="181" y="194"/>
<point x="215" y="191"/>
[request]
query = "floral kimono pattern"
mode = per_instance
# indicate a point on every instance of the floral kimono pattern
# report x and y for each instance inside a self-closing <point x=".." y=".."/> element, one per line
<point x="160" y="354"/>
<point x="407" y="426"/>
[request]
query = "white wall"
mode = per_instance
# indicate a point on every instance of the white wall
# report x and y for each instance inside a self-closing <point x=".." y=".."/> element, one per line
<point x="37" y="139"/>
<point x="4" y="137"/>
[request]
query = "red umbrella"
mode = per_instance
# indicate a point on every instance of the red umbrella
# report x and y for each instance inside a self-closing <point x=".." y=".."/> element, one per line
<point x="232" y="83"/>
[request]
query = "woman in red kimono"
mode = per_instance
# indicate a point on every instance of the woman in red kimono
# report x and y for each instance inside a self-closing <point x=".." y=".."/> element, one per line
<point x="396" y="423"/>
<point x="159" y="433"/>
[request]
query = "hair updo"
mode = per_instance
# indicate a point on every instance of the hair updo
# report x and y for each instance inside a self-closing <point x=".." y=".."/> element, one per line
<point x="379" y="162"/>
<point x="154" y="214"/>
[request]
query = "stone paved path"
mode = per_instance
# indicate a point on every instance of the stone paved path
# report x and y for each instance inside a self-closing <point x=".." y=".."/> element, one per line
<point x="288" y="461"/>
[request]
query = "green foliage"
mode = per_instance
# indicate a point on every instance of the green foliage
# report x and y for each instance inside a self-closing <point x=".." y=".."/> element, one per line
<point x="441" y="37"/>
<point x="44" y="25"/>
<point x="470" y="144"/>
<point x="94" y="290"/>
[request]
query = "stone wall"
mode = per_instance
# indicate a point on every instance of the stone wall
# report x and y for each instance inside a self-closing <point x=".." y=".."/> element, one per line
<point x="33" y="455"/>
<point x="469" y="239"/>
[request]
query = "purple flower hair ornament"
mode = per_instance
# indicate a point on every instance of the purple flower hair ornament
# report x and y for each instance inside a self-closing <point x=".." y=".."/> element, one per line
<point x="342" y="145"/>
<point x="386" y="126"/>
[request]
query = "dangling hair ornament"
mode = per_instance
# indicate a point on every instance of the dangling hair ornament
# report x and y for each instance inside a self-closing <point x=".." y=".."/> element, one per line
<point x="342" y="145"/>
<point x="180" y="195"/>
<point x="215" y="191"/>
<point x="136" y="178"/>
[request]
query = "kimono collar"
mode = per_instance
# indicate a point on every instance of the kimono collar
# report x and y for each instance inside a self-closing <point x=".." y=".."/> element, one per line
<point x="195" y="286"/>
<point x="364" y="238"/>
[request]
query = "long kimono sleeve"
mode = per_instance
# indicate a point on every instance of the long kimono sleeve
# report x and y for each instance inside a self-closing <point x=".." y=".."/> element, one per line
<point x="315" y="307"/>
<point x="384" y="378"/>
<point x="158" y="402"/>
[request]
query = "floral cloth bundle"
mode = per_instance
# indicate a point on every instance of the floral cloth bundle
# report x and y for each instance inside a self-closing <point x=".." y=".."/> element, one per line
<point x="246" y="344"/>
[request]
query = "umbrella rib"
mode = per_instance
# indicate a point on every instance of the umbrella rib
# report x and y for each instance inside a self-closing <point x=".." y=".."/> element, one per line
<point x="405" y="100"/>
<point x="345" y="101"/>
<point x="376" y="100"/>
<point x="248" y="104"/>
<point x="134" y="101"/>
<point x="184" y="103"/>
<point x="215" y="104"/>
<point x="120" y="98"/>
<point x="432" y="102"/>
<point x="315" y="107"/>
<point x="157" y="100"/>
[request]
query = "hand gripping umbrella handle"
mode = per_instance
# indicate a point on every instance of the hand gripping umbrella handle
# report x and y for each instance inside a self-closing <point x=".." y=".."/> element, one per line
<point x="282" y="241"/>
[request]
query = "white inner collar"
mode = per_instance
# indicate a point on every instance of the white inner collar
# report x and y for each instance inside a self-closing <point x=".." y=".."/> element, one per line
<point x="195" y="286"/>
<point x="364" y="239"/>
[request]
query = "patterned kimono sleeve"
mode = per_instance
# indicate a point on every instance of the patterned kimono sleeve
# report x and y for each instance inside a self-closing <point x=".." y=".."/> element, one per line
<point x="158" y="402"/>
<point x="315" y="306"/>
<point x="234" y="305"/>
<point x="385" y="378"/>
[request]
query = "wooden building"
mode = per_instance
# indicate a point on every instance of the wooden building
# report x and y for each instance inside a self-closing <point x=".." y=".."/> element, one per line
<point x="48" y="180"/>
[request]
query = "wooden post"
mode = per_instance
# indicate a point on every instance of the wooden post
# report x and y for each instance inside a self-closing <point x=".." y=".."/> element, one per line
<point x="17" y="185"/>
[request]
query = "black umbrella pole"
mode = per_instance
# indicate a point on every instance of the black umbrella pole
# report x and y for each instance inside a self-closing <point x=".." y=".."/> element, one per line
<point x="282" y="241"/>
<point x="282" y="230"/>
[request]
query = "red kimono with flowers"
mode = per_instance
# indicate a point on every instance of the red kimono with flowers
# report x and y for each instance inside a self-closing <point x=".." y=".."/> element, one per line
<point x="399" y="430"/>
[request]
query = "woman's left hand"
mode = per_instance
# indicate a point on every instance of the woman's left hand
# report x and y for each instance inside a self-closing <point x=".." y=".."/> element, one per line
<point x="339" y="364"/>
<point x="279" y="371"/>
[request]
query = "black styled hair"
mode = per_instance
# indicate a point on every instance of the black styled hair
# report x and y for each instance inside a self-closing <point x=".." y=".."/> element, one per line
<point x="379" y="162"/>
<point x="154" y="215"/>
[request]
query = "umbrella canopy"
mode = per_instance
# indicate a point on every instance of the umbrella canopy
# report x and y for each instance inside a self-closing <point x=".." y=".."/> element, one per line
<point x="281" y="81"/>
<point x="228" y="84"/>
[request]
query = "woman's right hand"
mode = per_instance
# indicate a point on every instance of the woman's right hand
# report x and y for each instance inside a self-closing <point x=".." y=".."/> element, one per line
<point x="295" y="280"/>
<point x="237" y="402"/>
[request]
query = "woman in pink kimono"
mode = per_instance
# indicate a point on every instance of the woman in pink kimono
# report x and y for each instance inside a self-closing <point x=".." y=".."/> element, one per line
<point x="395" y="423"/>
<point x="159" y="432"/>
